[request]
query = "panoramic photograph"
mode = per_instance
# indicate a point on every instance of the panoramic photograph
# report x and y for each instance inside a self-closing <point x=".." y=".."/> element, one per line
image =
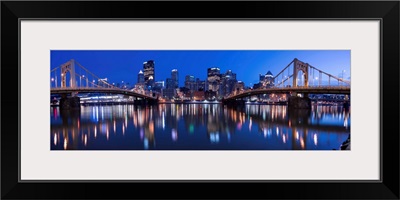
<point x="200" y="100"/>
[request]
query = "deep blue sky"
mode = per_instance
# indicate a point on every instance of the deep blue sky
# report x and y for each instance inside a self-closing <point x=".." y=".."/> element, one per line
<point x="124" y="65"/>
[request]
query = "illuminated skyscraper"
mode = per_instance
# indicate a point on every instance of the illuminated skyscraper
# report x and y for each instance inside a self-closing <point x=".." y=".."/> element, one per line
<point x="140" y="78"/>
<point x="269" y="80"/>
<point x="266" y="81"/>
<point x="149" y="73"/>
<point x="213" y="79"/>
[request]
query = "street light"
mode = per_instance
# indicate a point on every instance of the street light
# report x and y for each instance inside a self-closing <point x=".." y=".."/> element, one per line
<point x="52" y="80"/>
<point x="83" y="76"/>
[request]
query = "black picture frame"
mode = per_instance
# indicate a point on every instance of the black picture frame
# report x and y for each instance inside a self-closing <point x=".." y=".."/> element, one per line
<point x="386" y="11"/>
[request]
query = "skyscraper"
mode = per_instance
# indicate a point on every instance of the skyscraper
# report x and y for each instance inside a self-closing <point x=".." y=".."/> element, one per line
<point x="149" y="73"/>
<point x="200" y="85"/>
<point x="228" y="82"/>
<point x="269" y="80"/>
<point x="140" y="78"/>
<point x="266" y="81"/>
<point x="158" y="87"/>
<point x="169" y="91"/>
<point x="213" y="79"/>
<point x="239" y="86"/>
<point x="190" y="83"/>
<point x="175" y="77"/>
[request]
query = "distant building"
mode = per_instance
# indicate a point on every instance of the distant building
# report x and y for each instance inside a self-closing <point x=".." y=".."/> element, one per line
<point x="210" y="95"/>
<point x="140" y="88"/>
<point x="158" y="87"/>
<point x="239" y="87"/>
<point x="169" y="83"/>
<point x="185" y="93"/>
<point x="269" y="80"/>
<point x="228" y="82"/>
<point x="266" y="81"/>
<point x="262" y="78"/>
<point x="190" y="83"/>
<point x="200" y="85"/>
<point x="160" y="84"/>
<point x="198" y="95"/>
<point x="257" y="86"/>
<point x="149" y="73"/>
<point x="175" y="77"/>
<point x="140" y="78"/>
<point x="169" y="93"/>
<point x="213" y="79"/>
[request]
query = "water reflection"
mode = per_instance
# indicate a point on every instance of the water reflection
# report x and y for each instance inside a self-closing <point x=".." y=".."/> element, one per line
<point x="199" y="127"/>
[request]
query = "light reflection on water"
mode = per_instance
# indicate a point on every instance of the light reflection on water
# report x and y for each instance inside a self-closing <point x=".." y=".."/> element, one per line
<point x="199" y="127"/>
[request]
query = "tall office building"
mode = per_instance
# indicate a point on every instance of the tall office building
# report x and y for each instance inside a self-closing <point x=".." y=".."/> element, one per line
<point x="149" y="73"/>
<point x="266" y="81"/>
<point x="239" y="86"/>
<point x="175" y="77"/>
<point x="190" y="83"/>
<point x="213" y="79"/>
<point x="269" y="80"/>
<point x="228" y="82"/>
<point x="169" y="91"/>
<point x="158" y="87"/>
<point x="140" y="78"/>
<point x="262" y="78"/>
<point x="200" y="85"/>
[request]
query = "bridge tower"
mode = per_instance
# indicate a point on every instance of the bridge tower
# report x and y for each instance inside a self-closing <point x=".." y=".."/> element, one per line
<point x="300" y="66"/>
<point x="65" y="68"/>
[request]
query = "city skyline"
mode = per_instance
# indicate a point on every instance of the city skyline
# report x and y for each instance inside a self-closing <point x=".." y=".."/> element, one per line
<point x="118" y="66"/>
<point x="202" y="103"/>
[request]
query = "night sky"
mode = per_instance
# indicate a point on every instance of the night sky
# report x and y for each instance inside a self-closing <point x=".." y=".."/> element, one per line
<point x="124" y="65"/>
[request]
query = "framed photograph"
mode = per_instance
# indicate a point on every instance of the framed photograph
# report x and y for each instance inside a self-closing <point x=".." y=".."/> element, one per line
<point x="301" y="98"/>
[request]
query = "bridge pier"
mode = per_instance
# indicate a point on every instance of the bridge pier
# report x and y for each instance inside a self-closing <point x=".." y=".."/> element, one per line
<point x="70" y="103"/>
<point x="346" y="105"/>
<point x="295" y="102"/>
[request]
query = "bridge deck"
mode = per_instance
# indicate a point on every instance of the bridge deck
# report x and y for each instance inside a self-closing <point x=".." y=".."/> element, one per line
<point x="100" y="90"/>
<point x="285" y="90"/>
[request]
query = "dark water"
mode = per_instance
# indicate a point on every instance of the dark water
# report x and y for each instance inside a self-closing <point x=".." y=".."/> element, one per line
<point x="198" y="127"/>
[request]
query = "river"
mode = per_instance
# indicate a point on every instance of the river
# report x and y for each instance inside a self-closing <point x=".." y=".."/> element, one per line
<point x="199" y="127"/>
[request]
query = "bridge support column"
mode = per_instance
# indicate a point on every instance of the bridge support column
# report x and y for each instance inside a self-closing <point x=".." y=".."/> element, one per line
<point x="295" y="102"/>
<point x="70" y="103"/>
<point x="346" y="102"/>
